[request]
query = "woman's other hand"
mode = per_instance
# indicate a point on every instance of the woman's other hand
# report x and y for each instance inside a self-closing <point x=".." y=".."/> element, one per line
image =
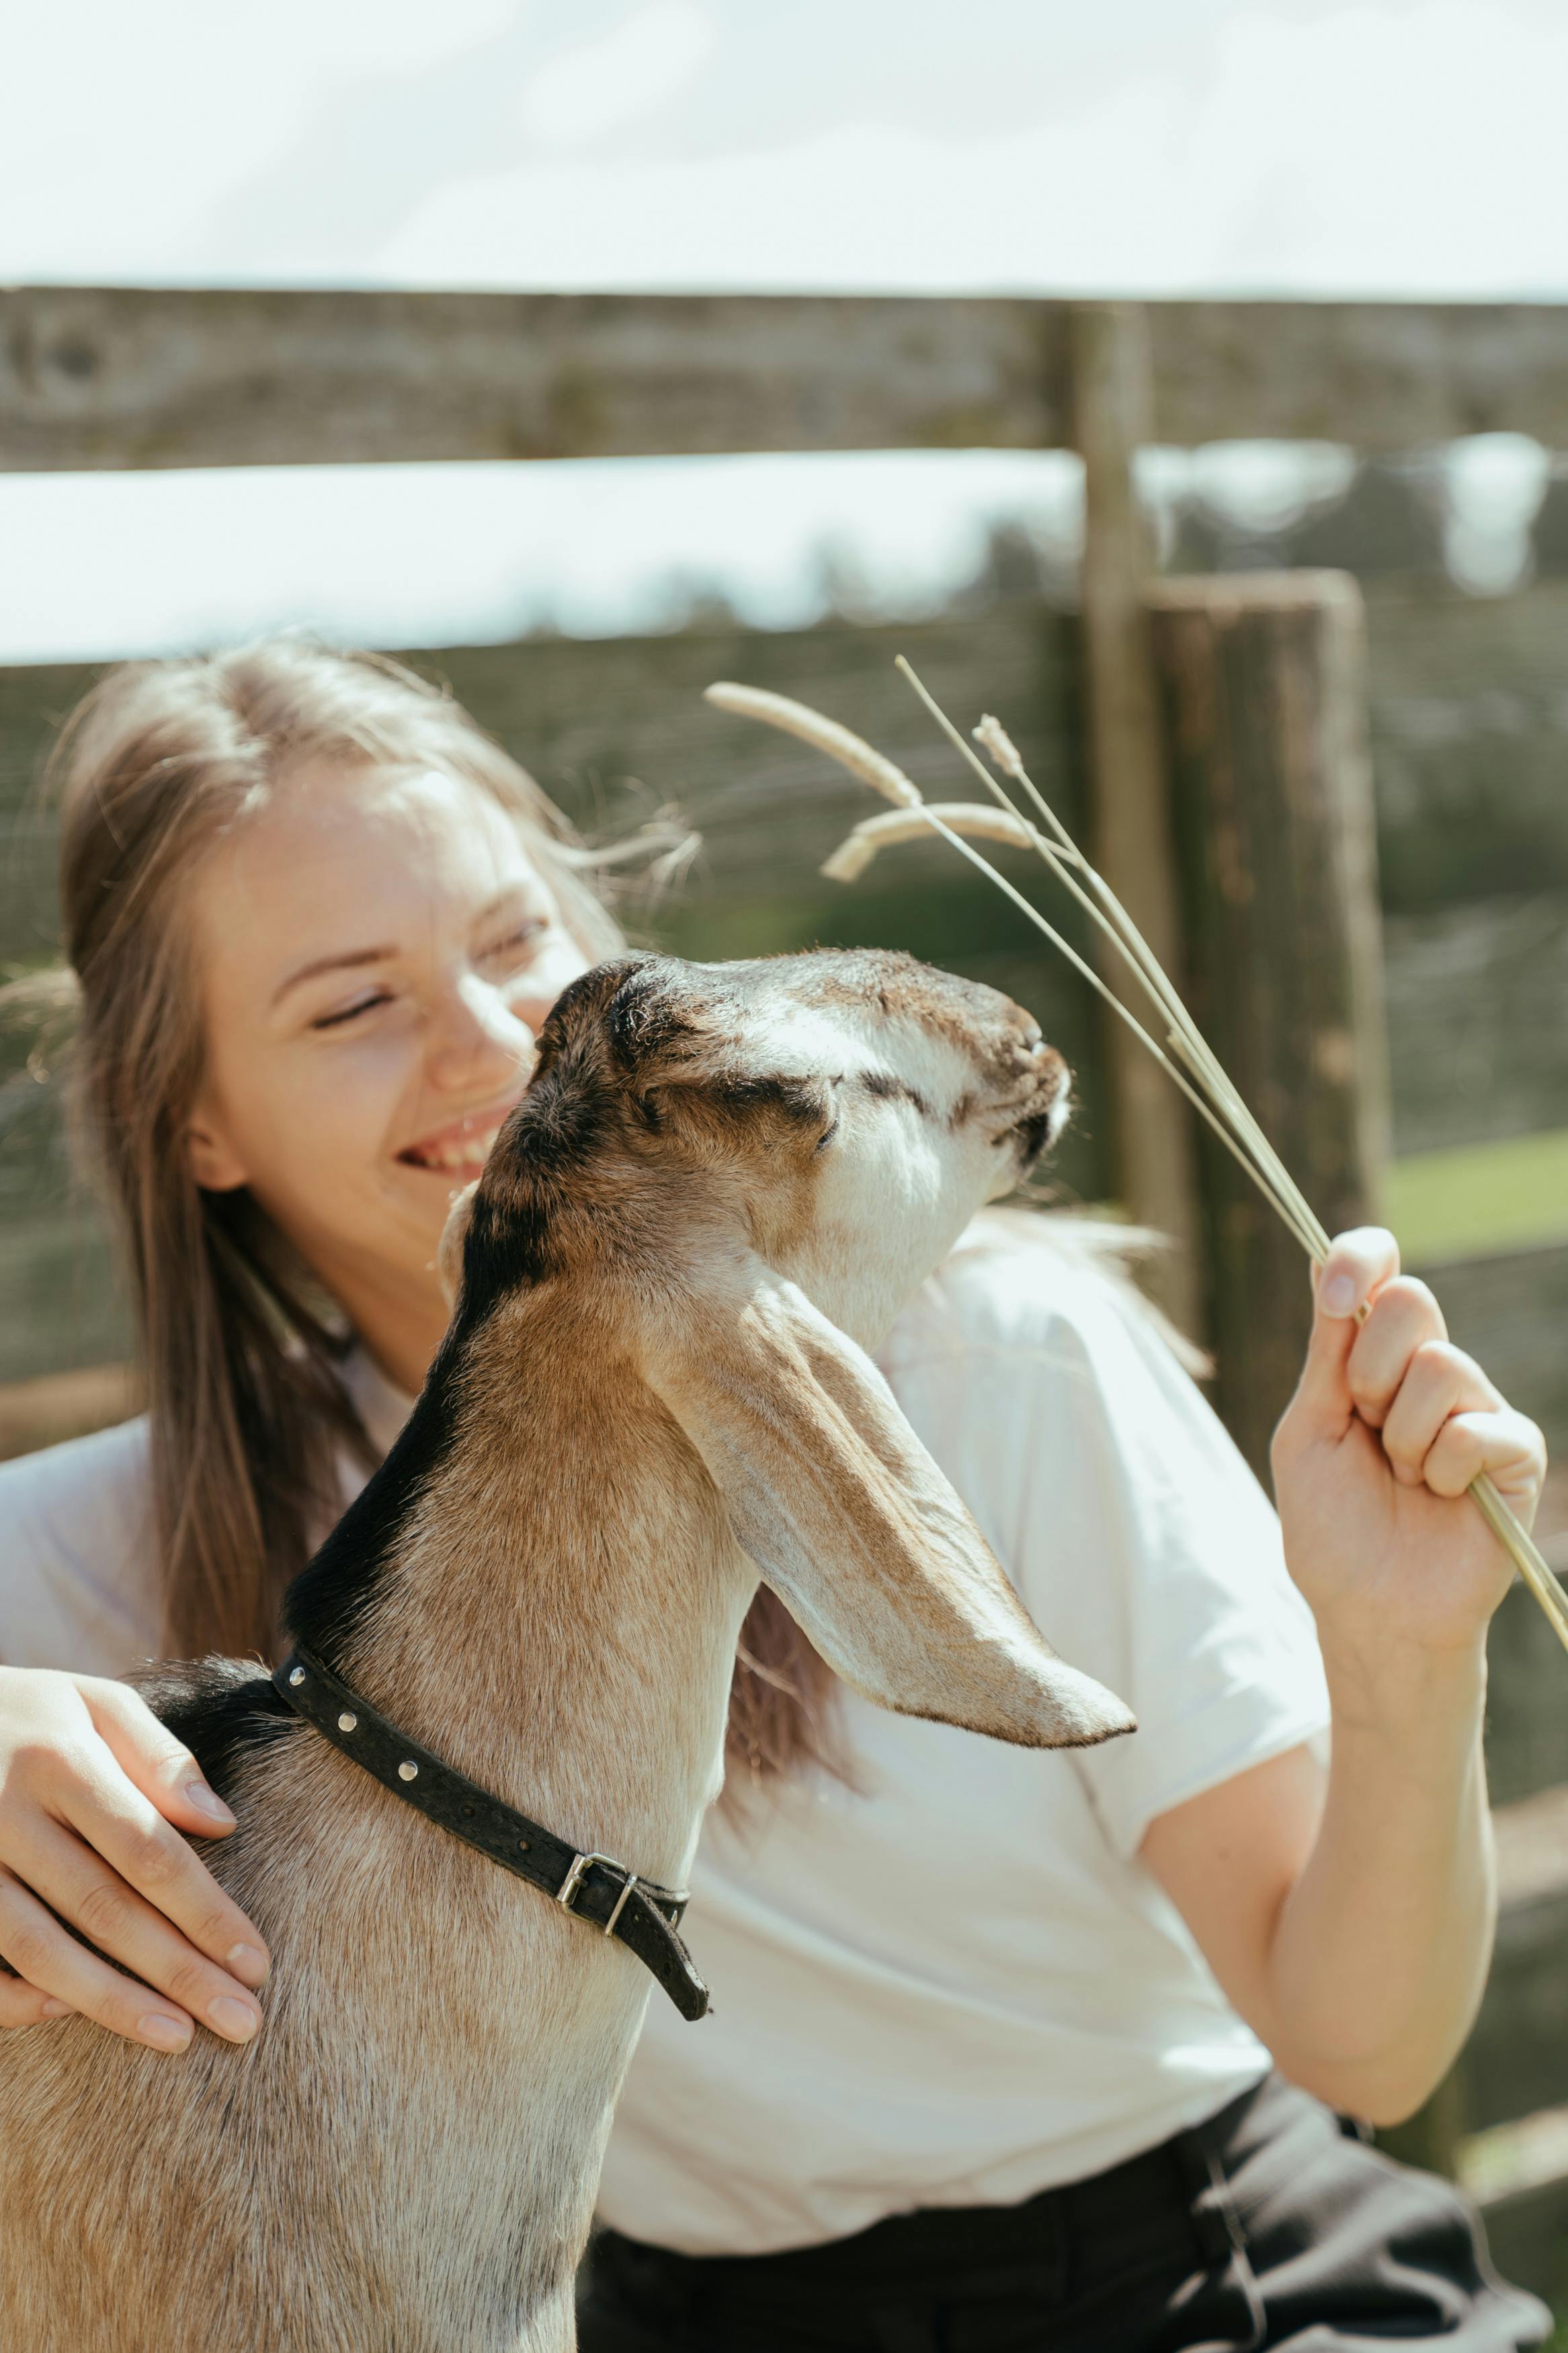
<point x="1388" y="1427"/>
<point x="94" y="1793"/>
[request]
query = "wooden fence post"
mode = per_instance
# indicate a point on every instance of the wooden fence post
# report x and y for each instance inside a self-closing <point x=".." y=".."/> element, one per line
<point x="1265" y="703"/>
<point x="1129" y="830"/>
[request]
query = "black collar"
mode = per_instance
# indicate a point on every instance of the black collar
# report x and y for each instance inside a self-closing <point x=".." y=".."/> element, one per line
<point x="593" y="1888"/>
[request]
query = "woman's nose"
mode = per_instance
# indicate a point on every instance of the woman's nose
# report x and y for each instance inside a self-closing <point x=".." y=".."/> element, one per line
<point x="482" y="1040"/>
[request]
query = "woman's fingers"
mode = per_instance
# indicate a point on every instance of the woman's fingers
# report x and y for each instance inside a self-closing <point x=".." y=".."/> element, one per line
<point x="22" y="2004"/>
<point x="1358" y="1265"/>
<point x="163" y="1772"/>
<point x="147" y="1859"/>
<point x="52" y="1961"/>
<point x="148" y="1753"/>
<point x="1437" y="1381"/>
<point x="87" y="1777"/>
<point x="1505" y="1445"/>
<point x="1402" y="1319"/>
<point x="84" y="1894"/>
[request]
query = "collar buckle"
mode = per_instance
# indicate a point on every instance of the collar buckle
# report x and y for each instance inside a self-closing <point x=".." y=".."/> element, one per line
<point x="581" y="1865"/>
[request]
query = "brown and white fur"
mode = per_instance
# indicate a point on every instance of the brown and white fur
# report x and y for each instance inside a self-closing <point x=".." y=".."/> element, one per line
<point x="646" y="1397"/>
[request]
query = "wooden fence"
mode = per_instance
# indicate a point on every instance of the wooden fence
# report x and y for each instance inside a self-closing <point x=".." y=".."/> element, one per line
<point x="1467" y="717"/>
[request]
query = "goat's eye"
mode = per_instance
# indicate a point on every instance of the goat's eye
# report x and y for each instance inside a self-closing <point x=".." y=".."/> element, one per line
<point x="826" y="1136"/>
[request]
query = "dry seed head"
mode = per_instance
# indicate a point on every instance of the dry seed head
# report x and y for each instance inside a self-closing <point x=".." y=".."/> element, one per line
<point x="993" y="739"/>
<point x="824" y="735"/>
<point x="855" y="853"/>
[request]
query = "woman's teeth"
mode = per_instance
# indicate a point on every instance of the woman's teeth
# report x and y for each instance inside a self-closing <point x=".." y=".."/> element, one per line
<point x="462" y="1152"/>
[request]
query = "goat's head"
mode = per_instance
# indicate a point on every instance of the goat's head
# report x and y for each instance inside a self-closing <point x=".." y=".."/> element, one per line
<point x="727" y="1156"/>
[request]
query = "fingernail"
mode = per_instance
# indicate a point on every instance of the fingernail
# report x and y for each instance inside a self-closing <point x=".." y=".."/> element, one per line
<point x="249" y="1963"/>
<point x="1338" y="1296"/>
<point x="55" y="2009"/>
<point x="207" y="1801"/>
<point x="164" y="2033"/>
<point x="236" y="2020"/>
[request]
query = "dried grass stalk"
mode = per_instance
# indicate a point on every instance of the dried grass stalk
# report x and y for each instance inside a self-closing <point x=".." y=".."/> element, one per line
<point x="851" y="752"/>
<point x="1196" y="1068"/>
<point x="855" y="853"/>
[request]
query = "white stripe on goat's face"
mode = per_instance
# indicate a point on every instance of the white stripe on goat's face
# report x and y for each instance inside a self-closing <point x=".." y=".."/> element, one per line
<point x="940" y="1095"/>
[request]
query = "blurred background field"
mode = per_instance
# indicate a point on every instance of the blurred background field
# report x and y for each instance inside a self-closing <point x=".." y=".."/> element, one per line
<point x="158" y="492"/>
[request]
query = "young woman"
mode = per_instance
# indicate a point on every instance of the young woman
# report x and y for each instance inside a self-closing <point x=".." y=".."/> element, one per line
<point x="995" y="2057"/>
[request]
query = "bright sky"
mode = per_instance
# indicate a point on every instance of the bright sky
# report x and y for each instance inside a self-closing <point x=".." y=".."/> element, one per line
<point x="1163" y="146"/>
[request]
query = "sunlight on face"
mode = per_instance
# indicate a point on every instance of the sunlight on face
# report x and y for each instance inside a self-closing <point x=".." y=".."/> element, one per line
<point x="377" y="951"/>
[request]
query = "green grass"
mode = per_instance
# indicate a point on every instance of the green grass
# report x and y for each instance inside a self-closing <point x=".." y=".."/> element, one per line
<point x="1483" y="1198"/>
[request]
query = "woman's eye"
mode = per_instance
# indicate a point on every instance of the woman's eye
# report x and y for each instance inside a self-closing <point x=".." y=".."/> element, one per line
<point x="516" y="944"/>
<point x="350" y="1012"/>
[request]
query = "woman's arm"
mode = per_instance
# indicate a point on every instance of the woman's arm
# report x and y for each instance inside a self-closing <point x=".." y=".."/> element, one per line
<point x="94" y="1792"/>
<point x="1349" y="1914"/>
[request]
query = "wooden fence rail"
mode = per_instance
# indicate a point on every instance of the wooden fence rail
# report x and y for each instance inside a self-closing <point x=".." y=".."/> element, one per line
<point x="132" y="376"/>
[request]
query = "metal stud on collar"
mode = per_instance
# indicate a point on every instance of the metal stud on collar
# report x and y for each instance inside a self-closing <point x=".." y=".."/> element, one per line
<point x="346" y="1721"/>
<point x="409" y="1770"/>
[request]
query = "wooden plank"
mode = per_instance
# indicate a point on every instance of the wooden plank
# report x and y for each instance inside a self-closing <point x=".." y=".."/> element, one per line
<point x="1478" y="1020"/>
<point x="1379" y="375"/>
<point x="59" y="1406"/>
<point x="1510" y="1312"/>
<point x="1517" y="2058"/>
<point x="1265" y="701"/>
<point x="131" y="376"/>
<point x="124" y="376"/>
<point x="1527" y="1705"/>
<point x="1469" y="730"/>
<point x="1130" y="833"/>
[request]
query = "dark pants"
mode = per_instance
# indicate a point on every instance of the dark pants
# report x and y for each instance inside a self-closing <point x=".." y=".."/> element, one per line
<point x="1271" y="2225"/>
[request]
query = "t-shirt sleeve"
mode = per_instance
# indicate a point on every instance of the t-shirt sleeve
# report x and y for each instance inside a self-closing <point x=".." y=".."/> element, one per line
<point x="1136" y="1535"/>
<point x="77" y="1587"/>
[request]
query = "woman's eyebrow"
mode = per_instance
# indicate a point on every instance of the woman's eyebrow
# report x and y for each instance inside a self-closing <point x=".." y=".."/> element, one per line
<point x="349" y="963"/>
<point x="525" y="895"/>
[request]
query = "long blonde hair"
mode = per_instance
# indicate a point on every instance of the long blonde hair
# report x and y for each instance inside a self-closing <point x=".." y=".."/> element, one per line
<point x="248" y="1417"/>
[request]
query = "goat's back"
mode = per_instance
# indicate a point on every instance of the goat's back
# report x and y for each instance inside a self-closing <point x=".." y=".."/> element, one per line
<point x="261" y="2199"/>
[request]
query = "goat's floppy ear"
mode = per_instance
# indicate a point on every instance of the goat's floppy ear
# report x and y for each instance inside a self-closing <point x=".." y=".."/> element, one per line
<point x="449" y="1249"/>
<point x="851" y="1523"/>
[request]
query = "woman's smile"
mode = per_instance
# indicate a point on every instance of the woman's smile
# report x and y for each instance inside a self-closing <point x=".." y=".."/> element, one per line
<point x="460" y="1149"/>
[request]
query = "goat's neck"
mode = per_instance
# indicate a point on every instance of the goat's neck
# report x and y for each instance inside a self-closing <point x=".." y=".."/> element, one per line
<point x="540" y="1584"/>
<point x="558" y="1610"/>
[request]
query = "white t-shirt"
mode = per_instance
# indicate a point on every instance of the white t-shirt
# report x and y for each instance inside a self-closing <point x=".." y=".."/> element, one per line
<point x="954" y="1983"/>
<point x="79" y="1588"/>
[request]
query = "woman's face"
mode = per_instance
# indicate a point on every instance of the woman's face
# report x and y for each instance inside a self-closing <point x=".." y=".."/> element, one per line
<point x="377" y="951"/>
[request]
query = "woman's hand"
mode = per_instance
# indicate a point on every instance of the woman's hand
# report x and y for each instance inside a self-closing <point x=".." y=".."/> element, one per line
<point x="94" y="1792"/>
<point x="1349" y="1915"/>
<point x="1388" y="1427"/>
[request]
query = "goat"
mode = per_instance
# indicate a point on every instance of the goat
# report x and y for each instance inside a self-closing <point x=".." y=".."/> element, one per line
<point x="641" y="1404"/>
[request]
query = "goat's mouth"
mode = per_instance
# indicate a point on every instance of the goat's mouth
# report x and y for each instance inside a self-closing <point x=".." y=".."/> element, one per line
<point x="1032" y="1134"/>
<point x="1045" y="1116"/>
